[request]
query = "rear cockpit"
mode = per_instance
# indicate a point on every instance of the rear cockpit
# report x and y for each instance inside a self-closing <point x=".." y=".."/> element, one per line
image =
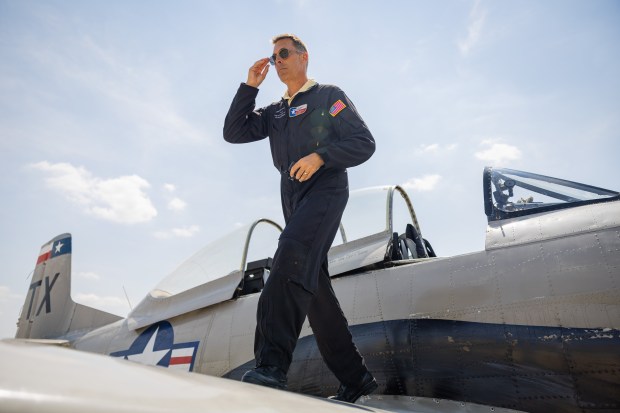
<point x="368" y="238"/>
<point x="379" y="228"/>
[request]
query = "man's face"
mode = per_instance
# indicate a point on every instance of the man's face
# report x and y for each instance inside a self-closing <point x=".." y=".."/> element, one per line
<point x="294" y="66"/>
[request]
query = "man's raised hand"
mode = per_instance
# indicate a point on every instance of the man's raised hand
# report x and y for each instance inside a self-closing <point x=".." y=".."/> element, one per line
<point x="258" y="72"/>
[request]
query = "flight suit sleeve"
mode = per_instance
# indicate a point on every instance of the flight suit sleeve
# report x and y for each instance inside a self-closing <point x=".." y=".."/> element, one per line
<point x="244" y="124"/>
<point x="354" y="144"/>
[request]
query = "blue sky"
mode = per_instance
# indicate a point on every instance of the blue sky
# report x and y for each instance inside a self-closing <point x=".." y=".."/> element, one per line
<point x="111" y="116"/>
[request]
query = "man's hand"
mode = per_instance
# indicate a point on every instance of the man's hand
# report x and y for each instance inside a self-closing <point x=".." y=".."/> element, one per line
<point x="258" y="72"/>
<point x="306" y="167"/>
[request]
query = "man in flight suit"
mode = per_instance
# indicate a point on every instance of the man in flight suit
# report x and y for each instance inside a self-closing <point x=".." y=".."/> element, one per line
<point x="315" y="133"/>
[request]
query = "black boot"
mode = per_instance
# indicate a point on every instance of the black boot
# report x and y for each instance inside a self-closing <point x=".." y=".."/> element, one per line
<point x="350" y="394"/>
<point x="268" y="376"/>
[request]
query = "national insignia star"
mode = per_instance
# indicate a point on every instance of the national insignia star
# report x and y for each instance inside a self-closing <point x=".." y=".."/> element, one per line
<point x="149" y="356"/>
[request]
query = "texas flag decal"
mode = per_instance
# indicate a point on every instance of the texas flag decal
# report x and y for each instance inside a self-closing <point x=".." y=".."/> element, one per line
<point x="298" y="110"/>
<point x="337" y="108"/>
<point x="54" y="249"/>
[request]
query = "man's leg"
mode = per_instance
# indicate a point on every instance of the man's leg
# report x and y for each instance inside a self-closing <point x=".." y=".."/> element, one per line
<point x="281" y="312"/>
<point x="332" y="334"/>
<point x="286" y="298"/>
<point x="282" y="309"/>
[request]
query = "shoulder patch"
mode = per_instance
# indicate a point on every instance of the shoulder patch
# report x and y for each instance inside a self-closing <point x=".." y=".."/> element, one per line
<point x="337" y="108"/>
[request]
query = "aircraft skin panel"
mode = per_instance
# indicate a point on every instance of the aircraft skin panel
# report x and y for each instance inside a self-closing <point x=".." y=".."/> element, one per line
<point x="242" y="330"/>
<point x="85" y="318"/>
<point x="578" y="270"/>
<point x="153" y="309"/>
<point x="535" y="369"/>
<point x="358" y="253"/>
<point x="553" y="224"/>
<point x="36" y="378"/>
<point x="484" y="288"/>
<point x="218" y="342"/>
<point x="490" y="285"/>
<point x="100" y="340"/>
<point x="366" y="303"/>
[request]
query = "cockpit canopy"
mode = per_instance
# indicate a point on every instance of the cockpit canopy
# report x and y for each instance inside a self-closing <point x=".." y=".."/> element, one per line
<point x="509" y="193"/>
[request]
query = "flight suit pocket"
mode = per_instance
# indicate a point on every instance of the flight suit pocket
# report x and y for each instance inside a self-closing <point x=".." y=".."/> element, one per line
<point x="291" y="264"/>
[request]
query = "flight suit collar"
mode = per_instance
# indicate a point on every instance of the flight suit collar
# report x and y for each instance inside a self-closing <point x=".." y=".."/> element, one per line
<point x="307" y="86"/>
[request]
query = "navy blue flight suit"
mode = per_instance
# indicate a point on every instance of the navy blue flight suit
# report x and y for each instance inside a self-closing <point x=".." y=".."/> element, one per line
<point x="322" y="120"/>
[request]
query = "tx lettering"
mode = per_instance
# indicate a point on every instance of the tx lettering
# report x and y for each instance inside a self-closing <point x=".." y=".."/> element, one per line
<point x="46" y="297"/>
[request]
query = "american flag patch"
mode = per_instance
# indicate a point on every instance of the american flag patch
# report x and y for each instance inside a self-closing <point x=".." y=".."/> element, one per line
<point x="337" y="108"/>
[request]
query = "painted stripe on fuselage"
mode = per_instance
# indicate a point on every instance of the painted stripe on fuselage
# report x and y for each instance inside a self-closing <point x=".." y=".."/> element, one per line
<point x="536" y="369"/>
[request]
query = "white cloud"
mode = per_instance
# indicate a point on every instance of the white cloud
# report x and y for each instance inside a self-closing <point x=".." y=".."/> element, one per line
<point x="430" y="148"/>
<point x="435" y="147"/>
<point x="88" y="275"/>
<point x="426" y="183"/>
<point x="112" y="304"/>
<point x="177" y="204"/>
<point x="477" y="16"/>
<point x="185" y="232"/>
<point x="498" y="153"/>
<point x="119" y="199"/>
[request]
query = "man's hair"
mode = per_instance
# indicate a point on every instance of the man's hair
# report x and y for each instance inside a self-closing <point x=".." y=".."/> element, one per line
<point x="299" y="45"/>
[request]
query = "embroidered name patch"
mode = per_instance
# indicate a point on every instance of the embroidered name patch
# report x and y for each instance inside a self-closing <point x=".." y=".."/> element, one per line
<point x="280" y="113"/>
<point x="337" y="108"/>
<point x="297" y="110"/>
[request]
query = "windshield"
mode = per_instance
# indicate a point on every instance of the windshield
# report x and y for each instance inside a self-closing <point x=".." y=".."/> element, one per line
<point x="513" y="193"/>
<point x="224" y="256"/>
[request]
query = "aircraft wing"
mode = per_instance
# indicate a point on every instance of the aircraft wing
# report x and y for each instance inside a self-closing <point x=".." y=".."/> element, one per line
<point x="37" y="378"/>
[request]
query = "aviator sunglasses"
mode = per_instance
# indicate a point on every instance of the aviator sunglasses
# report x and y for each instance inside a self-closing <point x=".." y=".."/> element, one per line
<point x="283" y="53"/>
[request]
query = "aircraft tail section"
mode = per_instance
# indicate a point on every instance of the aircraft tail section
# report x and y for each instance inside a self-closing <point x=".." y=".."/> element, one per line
<point x="48" y="311"/>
